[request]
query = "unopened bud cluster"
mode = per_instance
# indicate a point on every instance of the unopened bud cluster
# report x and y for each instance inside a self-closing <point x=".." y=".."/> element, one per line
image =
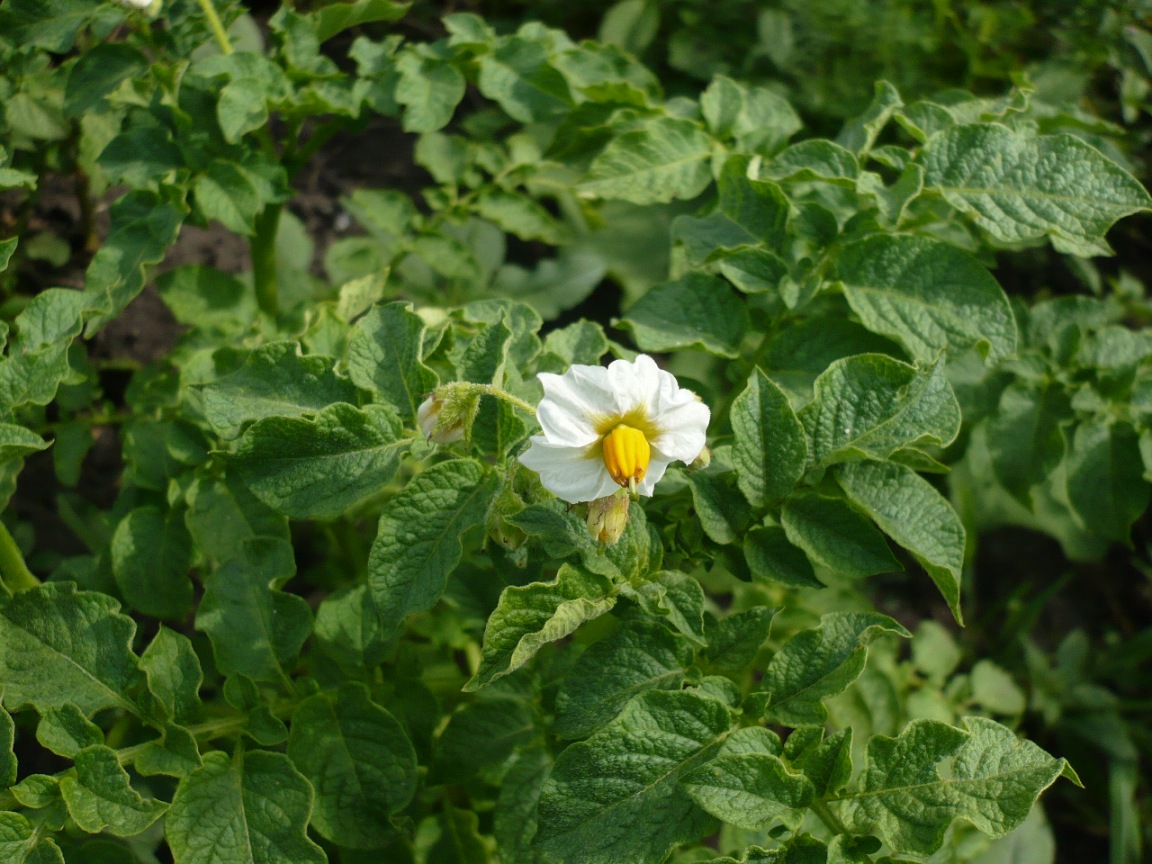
<point x="608" y="517"/>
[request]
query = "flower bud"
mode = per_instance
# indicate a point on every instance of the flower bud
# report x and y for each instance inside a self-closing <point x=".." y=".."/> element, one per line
<point x="608" y="517"/>
<point x="438" y="425"/>
<point x="703" y="460"/>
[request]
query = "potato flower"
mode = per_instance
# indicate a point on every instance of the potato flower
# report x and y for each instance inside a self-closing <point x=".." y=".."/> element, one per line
<point x="610" y="427"/>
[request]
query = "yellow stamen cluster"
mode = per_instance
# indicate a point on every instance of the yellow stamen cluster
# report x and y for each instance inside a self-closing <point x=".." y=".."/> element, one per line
<point x="626" y="455"/>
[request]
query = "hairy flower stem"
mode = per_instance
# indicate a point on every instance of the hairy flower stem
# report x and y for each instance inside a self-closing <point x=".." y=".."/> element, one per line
<point x="217" y="26"/>
<point x="15" y="572"/>
<point x="491" y="390"/>
<point x="263" y="249"/>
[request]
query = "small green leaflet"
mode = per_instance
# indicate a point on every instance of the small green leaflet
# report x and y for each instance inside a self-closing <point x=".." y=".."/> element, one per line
<point x="758" y="118"/>
<point x="837" y="537"/>
<point x="675" y="597"/>
<point x="518" y="76"/>
<point x="482" y="734"/>
<point x="927" y="295"/>
<point x="530" y="616"/>
<point x="20" y="844"/>
<point x="616" y="797"/>
<point x="44" y="664"/>
<point x="418" y="541"/>
<point x="100" y="797"/>
<point x="384" y="356"/>
<point x="1106" y="488"/>
<point x="993" y="781"/>
<point x="696" y="311"/>
<point x="665" y="158"/>
<point x="1019" y="186"/>
<point x="771" y="448"/>
<point x="320" y="466"/>
<point x="252" y="808"/>
<point x="66" y="731"/>
<point x="734" y="641"/>
<point x="174" y="674"/>
<point x="910" y="511"/>
<point x="358" y="760"/>
<point x="16" y="441"/>
<point x="515" y="817"/>
<point x="275" y="380"/>
<point x="818" y="663"/>
<point x="333" y="18"/>
<point x="151" y="556"/>
<point x="430" y="88"/>
<point x="748" y="790"/>
<point x="872" y="405"/>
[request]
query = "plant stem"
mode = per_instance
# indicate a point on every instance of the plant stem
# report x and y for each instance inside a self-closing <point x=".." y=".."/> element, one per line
<point x="263" y="248"/>
<point x="492" y="390"/>
<point x="15" y="572"/>
<point x="217" y="26"/>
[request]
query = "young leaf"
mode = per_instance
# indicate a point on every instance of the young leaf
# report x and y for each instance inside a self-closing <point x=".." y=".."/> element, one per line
<point x="675" y="597"/>
<point x="757" y="118"/>
<point x="16" y="441"/>
<point x="639" y="656"/>
<point x="66" y="731"/>
<point x="348" y="628"/>
<point x="275" y="380"/>
<point x="418" y="541"/>
<point x="696" y="311"/>
<point x="616" y="797"/>
<point x="63" y="645"/>
<point x="100" y="796"/>
<point x="836" y="536"/>
<point x="993" y="781"/>
<point x="151" y="556"/>
<point x="384" y="355"/>
<point x="928" y="295"/>
<point x="818" y="663"/>
<point x="430" y="88"/>
<point x="872" y="405"/>
<point x="222" y="514"/>
<point x="748" y="790"/>
<point x="358" y="760"/>
<point x="1024" y="435"/>
<point x="530" y="616"/>
<point x="252" y="808"/>
<point x="665" y="158"/>
<point x="518" y="77"/>
<point x="255" y="629"/>
<point x="1019" y="186"/>
<point x="174" y="673"/>
<point x="1106" y="488"/>
<point x="333" y="18"/>
<point x="910" y="511"/>
<point x="771" y="449"/>
<point x="318" y="467"/>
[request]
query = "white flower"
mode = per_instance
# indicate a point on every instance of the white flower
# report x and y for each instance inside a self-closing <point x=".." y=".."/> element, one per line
<point x="610" y="427"/>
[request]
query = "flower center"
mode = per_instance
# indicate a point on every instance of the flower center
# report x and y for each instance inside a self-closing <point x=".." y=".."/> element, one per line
<point x="626" y="455"/>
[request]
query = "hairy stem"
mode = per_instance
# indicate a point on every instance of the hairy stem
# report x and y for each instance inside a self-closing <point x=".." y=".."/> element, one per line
<point x="217" y="26"/>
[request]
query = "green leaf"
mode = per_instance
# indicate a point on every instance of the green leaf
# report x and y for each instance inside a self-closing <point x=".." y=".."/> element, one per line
<point x="993" y="780"/>
<point x="174" y="754"/>
<point x="515" y="817"/>
<point x="518" y="214"/>
<point x="236" y="194"/>
<point x="16" y="441"/>
<point x="359" y="761"/>
<point x="275" y="380"/>
<point x="255" y="629"/>
<point x="7" y="247"/>
<point x="616" y="797"/>
<point x="639" y="656"/>
<point x="66" y="731"/>
<point x="141" y="155"/>
<point x="151" y="556"/>
<point x="222" y="514"/>
<point x="696" y="311"/>
<point x="927" y="295"/>
<point x="1106" y="487"/>
<point x="530" y="616"/>
<point x="174" y="674"/>
<point x="384" y="356"/>
<point x="723" y="513"/>
<point x="1024" y="435"/>
<point x="48" y="24"/>
<point x="1022" y="187"/>
<point x="429" y="88"/>
<point x="482" y="734"/>
<point x="828" y="762"/>
<point x="100" y="70"/>
<point x="816" y="664"/>
<point x="207" y="298"/>
<point x="100" y="796"/>
<point x="910" y="511"/>
<point x="333" y="18"/>
<point x="859" y="134"/>
<point x="318" y="467"/>
<point x="771" y="449"/>
<point x="735" y="640"/>
<point x="995" y="691"/>
<point x="815" y="159"/>
<point x="748" y="790"/>
<point x="665" y="158"/>
<point x="8" y="761"/>
<point x="756" y="117"/>
<point x="418" y="541"/>
<point x="348" y="628"/>
<point x="253" y="808"/>
<point x="837" y="537"/>
<point x="870" y="405"/>
<point x="518" y="77"/>
<point x="63" y="645"/>
<point x="676" y="597"/>
<point x="772" y="558"/>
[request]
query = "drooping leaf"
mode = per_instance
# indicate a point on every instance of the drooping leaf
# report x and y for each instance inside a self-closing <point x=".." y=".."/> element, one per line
<point x="771" y="448"/>
<point x="360" y="764"/>
<point x="418" y="541"/>
<point x="616" y="797"/>
<point x="927" y="295"/>
<point x="530" y="616"/>
<point x="993" y="782"/>
<point x="910" y="511"/>
<point x="1019" y="186"/>
<point x="100" y="797"/>
<point x="252" y="808"/>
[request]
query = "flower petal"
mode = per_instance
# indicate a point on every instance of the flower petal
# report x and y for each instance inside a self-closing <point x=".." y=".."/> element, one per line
<point x="571" y="402"/>
<point x="656" y="469"/>
<point x="634" y="383"/>
<point x="683" y="426"/>
<point x="567" y="472"/>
